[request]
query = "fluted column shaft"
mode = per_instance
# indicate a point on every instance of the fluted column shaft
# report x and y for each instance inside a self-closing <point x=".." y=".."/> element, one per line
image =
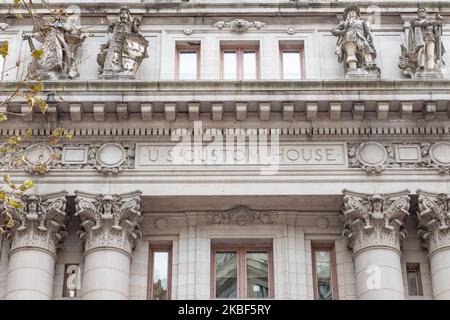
<point x="434" y="222"/>
<point x="38" y="228"/>
<point x="110" y="226"/>
<point x="373" y="225"/>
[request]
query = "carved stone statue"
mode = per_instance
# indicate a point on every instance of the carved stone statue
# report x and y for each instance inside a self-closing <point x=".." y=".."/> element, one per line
<point x="422" y="55"/>
<point x="122" y="55"/>
<point x="60" y="37"/>
<point x="40" y="223"/>
<point x="109" y="220"/>
<point x="355" y="46"/>
<point x="371" y="220"/>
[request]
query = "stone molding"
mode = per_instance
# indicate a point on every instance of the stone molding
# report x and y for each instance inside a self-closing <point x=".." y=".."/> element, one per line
<point x="40" y="224"/>
<point x="109" y="221"/>
<point x="240" y="216"/>
<point x="374" y="220"/>
<point x="434" y="220"/>
<point x="239" y="25"/>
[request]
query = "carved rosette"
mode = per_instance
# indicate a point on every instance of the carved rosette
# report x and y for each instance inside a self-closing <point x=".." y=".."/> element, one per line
<point x="109" y="221"/>
<point x="374" y="220"/>
<point x="434" y="220"/>
<point x="40" y="223"/>
<point x="240" y="216"/>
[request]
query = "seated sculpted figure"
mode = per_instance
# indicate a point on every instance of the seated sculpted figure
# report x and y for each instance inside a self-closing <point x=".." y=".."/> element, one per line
<point x="355" y="46"/>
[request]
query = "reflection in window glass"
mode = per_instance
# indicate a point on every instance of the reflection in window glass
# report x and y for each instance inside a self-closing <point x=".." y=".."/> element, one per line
<point x="249" y="67"/>
<point x="291" y="65"/>
<point x="257" y="275"/>
<point x="160" y="275"/>
<point x="323" y="275"/>
<point x="412" y="283"/>
<point x="230" y="65"/>
<point x="187" y="65"/>
<point x="226" y="275"/>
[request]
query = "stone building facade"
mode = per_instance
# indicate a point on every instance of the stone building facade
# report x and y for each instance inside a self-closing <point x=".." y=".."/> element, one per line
<point x="337" y="186"/>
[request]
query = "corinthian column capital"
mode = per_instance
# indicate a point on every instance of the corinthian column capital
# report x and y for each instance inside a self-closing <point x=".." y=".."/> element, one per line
<point x="374" y="220"/>
<point x="40" y="223"/>
<point x="109" y="221"/>
<point x="434" y="220"/>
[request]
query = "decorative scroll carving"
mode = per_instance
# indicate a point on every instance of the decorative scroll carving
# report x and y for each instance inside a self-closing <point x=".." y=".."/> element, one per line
<point x="355" y="47"/>
<point x="422" y="54"/>
<point x="240" y="216"/>
<point x="60" y="37"/>
<point x="123" y="54"/>
<point x="400" y="155"/>
<point x="374" y="220"/>
<point x="434" y="219"/>
<point x="109" y="220"/>
<point x="109" y="158"/>
<point x="239" y="25"/>
<point x="40" y="223"/>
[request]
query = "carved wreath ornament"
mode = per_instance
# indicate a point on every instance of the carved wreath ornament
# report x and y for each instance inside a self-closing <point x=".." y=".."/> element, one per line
<point x="240" y="216"/>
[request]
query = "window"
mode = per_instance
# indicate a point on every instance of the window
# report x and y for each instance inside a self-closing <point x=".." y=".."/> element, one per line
<point x="71" y="280"/>
<point x="324" y="272"/>
<point x="291" y="62"/>
<point x="188" y="62"/>
<point x="240" y="63"/>
<point x="159" y="275"/>
<point x="242" y="272"/>
<point x="414" y="280"/>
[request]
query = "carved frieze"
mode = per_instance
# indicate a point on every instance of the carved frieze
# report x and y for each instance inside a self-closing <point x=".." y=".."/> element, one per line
<point x="239" y="25"/>
<point x="240" y="216"/>
<point x="434" y="219"/>
<point x="40" y="223"/>
<point x="371" y="157"/>
<point x="374" y="219"/>
<point x="109" y="220"/>
<point x="109" y="158"/>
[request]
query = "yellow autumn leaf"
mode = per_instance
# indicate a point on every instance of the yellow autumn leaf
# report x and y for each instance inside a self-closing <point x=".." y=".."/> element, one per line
<point x="41" y="168"/>
<point x="16" y="1"/>
<point x="6" y="178"/>
<point x="27" y="184"/>
<point x="37" y="54"/>
<point x="43" y="106"/>
<point x="9" y="221"/>
<point x="28" y="134"/>
<point x="3" y="117"/>
<point x="4" y="48"/>
<point x="18" y="16"/>
<point x="2" y="195"/>
<point x="37" y="87"/>
<point x="15" y="204"/>
<point x="69" y="135"/>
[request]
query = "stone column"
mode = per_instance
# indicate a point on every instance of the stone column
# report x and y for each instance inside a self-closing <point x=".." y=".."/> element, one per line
<point x="373" y="225"/>
<point x="434" y="222"/>
<point x="109" y="229"/>
<point x="38" y="228"/>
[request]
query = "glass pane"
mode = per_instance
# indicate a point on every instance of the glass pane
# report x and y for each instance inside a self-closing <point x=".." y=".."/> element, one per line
<point x="230" y="65"/>
<point x="188" y="65"/>
<point x="160" y="275"/>
<point x="291" y="65"/>
<point x="412" y="283"/>
<point x="226" y="275"/>
<point x="257" y="275"/>
<point x="323" y="275"/>
<point x="249" y="68"/>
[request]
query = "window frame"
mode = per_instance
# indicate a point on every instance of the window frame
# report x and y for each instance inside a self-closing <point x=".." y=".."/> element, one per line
<point x="333" y="269"/>
<point x="292" y="47"/>
<point x="153" y="248"/>
<point x="416" y="268"/>
<point x="65" y="293"/>
<point x="240" y="49"/>
<point x="192" y="48"/>
<point x="241" y="252"/>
